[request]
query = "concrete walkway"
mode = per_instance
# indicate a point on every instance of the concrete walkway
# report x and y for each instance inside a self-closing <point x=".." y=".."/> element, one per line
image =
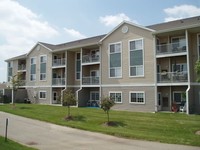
<point x="46" y="136"/>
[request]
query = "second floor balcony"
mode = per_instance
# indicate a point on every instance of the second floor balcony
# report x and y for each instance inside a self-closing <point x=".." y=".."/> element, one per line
<point x="172" y="77"/>
<point x="21" y="67"/>
<point x="171" y="48"/>
<point x="59" y="62"/>
<point x="91" y="80"/>
<point x="58" y="81"/>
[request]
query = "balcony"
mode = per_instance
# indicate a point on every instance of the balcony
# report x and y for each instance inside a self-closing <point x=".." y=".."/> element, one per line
<point x="90" y="59"/>
<point x="59" y="62"/>
<point x="90" y="80"/>
<point x="21" y="67"/>
<point x="171" y="48"/>
<point x="172" y="77"/>
<point x="58" y="81"/>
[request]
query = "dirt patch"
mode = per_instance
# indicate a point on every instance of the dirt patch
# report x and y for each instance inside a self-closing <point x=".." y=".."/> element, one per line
<point x="197" y="132"/>
<point x="31" y="143"/>
<point x="111" y="124"/>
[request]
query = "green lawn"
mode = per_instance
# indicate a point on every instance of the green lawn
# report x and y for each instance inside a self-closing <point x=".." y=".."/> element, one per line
<point x="174" y="128"/>
<point x="11" y="145"/>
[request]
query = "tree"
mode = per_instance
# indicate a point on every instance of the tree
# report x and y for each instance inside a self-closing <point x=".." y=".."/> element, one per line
<point x="197" y="69"/>
<point x="106" y="104"/>
<point x="69" y="100"/>
<point x="16" y="82"/>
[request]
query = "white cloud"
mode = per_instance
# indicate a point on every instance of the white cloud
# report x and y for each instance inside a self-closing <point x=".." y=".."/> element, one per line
<point x="113" y="20"/>
<point x="182" y="11"/>
<point x="20" y="29"/>
<point x="74" y="34"/>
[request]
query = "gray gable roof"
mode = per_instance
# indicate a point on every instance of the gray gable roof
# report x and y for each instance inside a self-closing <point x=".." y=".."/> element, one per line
<point x="75" y="44"/>
<point x="182" y="23"/>
<point x="16" y="58"/>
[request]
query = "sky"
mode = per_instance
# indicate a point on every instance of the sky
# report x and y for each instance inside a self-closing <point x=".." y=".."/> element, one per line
<point x="25" y="22"/>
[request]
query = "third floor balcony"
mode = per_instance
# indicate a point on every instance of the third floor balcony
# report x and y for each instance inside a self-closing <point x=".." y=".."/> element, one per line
<point x="91" y="80"/>
<point x="58" y="81"/>
<point x="90" y="59"/>
<point x="22" y="67"/>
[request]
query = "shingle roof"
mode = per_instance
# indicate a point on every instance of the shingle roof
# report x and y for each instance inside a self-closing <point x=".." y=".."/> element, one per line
<point x="16" y="58"/>
<point x="75" y="44"/>
<point x="176" y="24"/>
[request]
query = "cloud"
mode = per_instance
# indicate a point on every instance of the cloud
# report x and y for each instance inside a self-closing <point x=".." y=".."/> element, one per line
<point x="113" y="20"/>
<point x="74" y="34"/>
<point x="20" y="29"/>
<point x="182" y="11"/>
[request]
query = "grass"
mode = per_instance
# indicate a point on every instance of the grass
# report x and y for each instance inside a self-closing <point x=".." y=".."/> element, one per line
<point x="176" y="128"/>
<point x="11" y="145"/>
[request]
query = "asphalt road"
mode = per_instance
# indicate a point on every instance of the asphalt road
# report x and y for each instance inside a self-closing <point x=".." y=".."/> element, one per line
<point x="46" y="136"/>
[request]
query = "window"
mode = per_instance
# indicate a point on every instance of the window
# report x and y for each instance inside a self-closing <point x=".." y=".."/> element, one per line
<point x="136" y="58"/>
<point x="33" y="69"/>
<point x="198" y="47"/>
<point x="116" y="96"/>
<point x="137" y="97"/>
<point x="42" y="94"/>
<point x="179" y="96"/>
<point x="78" y="66"/>
<point x="115" y="60"/>
<point x="43" y="63"/>
<point x="179" y="67"/>
<point x="10" y="70"/>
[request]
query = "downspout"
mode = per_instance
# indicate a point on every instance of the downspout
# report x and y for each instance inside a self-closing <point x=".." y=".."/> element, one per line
<point x="100" y="78"/>
<point x="80" y="78"/>
<point x="188" y="69"/>
<point x="155" y="74"/>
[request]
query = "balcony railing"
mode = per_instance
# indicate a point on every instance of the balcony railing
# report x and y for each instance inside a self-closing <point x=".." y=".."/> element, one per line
<point x="22" y="67"/>
<point x="90" y="80"/>
<point x="90" y="58"/>
<point x="171" y="48"/>
<point x="172" y="77"/>
<point x="59" y="62"/>
<point x="58" y="81"/>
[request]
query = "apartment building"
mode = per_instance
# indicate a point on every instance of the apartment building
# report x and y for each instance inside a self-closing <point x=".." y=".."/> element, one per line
<point x="141" y="68"/>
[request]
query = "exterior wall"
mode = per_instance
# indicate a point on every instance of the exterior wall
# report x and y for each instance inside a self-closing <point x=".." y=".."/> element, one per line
<point x="195" y="99"/>
<point x="149" y="105"/>
<point x="118" y="36"/>
<point x="33" y="95"/>
<point x="37" y="53"/>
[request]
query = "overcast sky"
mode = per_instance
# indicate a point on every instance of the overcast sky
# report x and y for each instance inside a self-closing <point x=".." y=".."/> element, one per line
<point x="25" y="22"/>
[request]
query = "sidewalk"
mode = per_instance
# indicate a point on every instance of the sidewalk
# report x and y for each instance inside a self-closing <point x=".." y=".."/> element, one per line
<point x="46" y="136"/>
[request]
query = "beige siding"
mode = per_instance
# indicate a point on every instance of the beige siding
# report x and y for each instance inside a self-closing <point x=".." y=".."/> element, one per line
<point x="37" y="53"/>
<point x="149" y="105"/>
<point x="118" y="36"/>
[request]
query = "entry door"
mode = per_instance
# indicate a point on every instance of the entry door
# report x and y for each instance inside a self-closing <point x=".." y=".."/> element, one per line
<point x="159" y="101"/>
<point x="55" y="96"/>
<point x="165" y="104"/>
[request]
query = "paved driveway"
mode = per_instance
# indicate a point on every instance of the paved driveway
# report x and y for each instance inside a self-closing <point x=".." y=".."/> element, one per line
<point x="46" y="136"/>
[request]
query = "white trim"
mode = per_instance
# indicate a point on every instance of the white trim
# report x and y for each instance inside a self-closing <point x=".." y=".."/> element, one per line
<point x="130" y="58"/>
<point x="198" y="45"/>
<point x="109" y="59"/>
<point x="75" y="66"/>
<point x="137" y="92"/>
<point x="115" y="92"/>
<point x="40" y="68"/>
<point x="42" y="91"/>
<point x="129" y="85"/>
<point x="129" y="23"/>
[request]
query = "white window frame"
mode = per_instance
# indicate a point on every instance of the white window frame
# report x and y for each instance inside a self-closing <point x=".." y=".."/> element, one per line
<point x="180" y="92"/>
<point x="137" y="92"/>
<point x="30" y="69"/>
<point x="76" y="67"/>
<point x="46" y="68"/>
<point x="198" y="45"/>
<point x="109" y="59"/>
<point x="130" y="58"/>
<point x="43" y="92"/>
<point x="116" y="92"/>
